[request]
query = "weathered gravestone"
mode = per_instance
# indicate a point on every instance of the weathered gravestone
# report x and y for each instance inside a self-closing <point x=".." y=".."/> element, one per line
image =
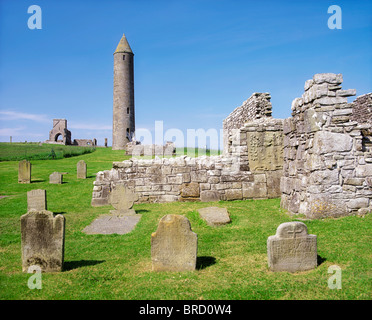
<point x="174" y="245"/>
<point x="81" y="168"/>
<point x="24" y="172"/>
<point x="43" y="237"/>
<point x="215" y="216"/>
<point x="292" y="249"/>
<point x="122" y="199"/>
<point x="56" y="178"/>
<point x="36" y="200"/>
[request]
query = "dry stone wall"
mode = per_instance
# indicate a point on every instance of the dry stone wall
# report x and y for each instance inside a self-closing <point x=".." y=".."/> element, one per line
<point x="327" y="167"/>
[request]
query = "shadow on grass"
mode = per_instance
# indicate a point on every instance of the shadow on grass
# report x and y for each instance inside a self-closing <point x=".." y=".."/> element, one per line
<point x="37" y="180"/>
<point x="62" y="213"/>
<point x="204" y="262"/>
<point x="70" y="265"/>
<point x="142" y="211"/>
<point x="91" y="176"/>
<point x="320" y="260"/>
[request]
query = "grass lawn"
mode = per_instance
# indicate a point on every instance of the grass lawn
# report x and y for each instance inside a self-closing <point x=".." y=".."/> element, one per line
<point x="232" y="260"/>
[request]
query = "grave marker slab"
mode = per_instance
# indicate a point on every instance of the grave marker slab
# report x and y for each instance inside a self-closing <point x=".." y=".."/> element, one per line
<point x="215" y="216"/>
<point x="56" y="178"/>
<point x="81" y="168"/>
<point x="292" y="249"/>
<point x="174" y="245"/>
<point x="110" y="224"/>
<point x="24" y="171"/>
<point x="36" y="200"/>
<point x="43" y="238"/>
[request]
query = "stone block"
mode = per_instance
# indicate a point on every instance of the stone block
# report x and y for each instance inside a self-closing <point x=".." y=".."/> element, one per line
<point x="174" y="245"/>
<point x="209" y="196"/>
<point x="363" y="171"/>
<point x="331" y="78"/>
<point x="292" y="249"/>
<point x="190" y="190"/>
<point x="327" y="142"/>
<point x="234" y="194"/>
<point x="43" y="238"/>
<point x="358" y="203"/>
<point x="253" y="190"/>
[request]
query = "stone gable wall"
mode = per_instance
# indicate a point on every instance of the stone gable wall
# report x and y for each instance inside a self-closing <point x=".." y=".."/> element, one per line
<point x="256" y="107"/>
<point x="362" y="109"/>
<point x="327" y="167"/>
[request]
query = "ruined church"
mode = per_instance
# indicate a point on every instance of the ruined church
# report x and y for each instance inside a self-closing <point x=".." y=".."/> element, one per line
<point x="318" y="161"/>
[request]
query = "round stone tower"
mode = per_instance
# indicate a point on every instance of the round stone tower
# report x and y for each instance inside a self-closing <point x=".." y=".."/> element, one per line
<point x="123" y="115"/>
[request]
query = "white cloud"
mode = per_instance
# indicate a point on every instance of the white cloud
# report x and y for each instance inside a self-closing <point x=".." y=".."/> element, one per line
<point x="14" y="115"/>
<point x="11" y="131"/>
<point x="18" y="132"/>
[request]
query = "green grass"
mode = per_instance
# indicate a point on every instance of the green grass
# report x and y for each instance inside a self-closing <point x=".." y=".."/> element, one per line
<point x="232" y="260"/>
<point x="34" y="151"/>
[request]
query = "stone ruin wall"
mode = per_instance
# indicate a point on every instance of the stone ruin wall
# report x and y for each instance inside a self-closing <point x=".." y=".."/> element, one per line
<point x="362" y="109"/>
<point x="319" y="161"/>
<point x="327" y="154"/>
<point x="257" y="106"/>
<point x="249" y="169"/>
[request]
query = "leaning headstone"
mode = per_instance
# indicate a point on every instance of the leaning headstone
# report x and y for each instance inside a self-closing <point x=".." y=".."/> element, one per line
<point x="122" y="199"/>
<point x="43" y="237"/>
<point x="215" y="216"/>
<point x="36" y="200"/>
<point x="81" y="169"/>
<point x="174" y="246"/>
<point x="292" y="249"/>
<point x="24" y="171"/>
<point x="56" y="178"/>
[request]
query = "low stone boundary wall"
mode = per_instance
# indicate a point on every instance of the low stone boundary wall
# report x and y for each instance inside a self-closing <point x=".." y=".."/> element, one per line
<point x="184" y="179"/>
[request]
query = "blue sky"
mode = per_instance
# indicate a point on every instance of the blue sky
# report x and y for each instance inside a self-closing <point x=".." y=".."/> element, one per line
<point x="195" y="61"/>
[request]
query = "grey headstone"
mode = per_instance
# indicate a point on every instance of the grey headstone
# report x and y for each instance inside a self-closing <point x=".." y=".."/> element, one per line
<point x="174" y="245"/>
<point x="43" y="238"/>
<point x="292" y="249"/>
<point x="24" y="172"/>
<point x="122" y="199"/>
<point x="56" y="178"/>
<point x="215" y="216"/>
<point x="81" y="168"/>
<point x="36" y="200"/>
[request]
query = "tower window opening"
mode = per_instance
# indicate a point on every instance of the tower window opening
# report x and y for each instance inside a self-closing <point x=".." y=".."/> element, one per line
<point x="127" y="110"/>
<point x="123" y="57"/>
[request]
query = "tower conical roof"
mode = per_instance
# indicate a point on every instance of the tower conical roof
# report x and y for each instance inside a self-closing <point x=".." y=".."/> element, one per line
<point x="123" y="45"/>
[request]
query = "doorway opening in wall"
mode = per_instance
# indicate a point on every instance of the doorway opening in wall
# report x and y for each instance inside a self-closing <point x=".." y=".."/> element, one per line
<point x="58" y="137"/>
